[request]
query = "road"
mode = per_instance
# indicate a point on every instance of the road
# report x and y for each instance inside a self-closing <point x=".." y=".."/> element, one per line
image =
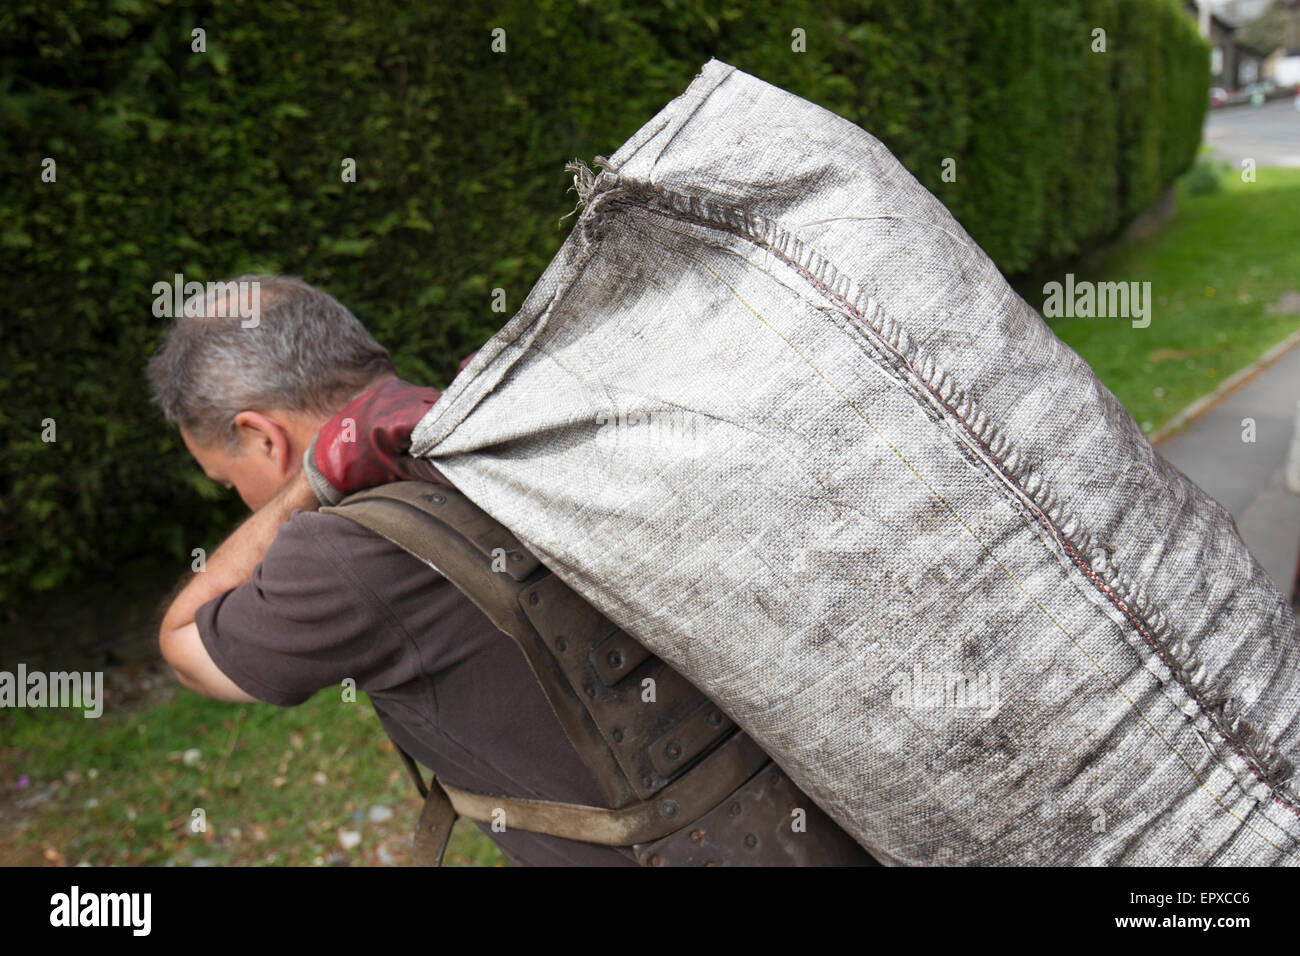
<point x="1269" y="134"/>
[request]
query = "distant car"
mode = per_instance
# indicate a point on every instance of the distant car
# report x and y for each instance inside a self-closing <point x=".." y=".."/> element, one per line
<point x="1219" y="96"/>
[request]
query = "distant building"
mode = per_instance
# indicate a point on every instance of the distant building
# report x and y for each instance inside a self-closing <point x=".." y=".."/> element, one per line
<point x="1241" y="11"/>
<point x="1233" y="64"/>
<point x="1250" y="64"/>
<point x="1283" y="67"/>
<point x="1265" y="41"/>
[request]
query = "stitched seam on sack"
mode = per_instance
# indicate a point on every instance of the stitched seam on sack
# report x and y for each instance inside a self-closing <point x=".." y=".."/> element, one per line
<point x="985" y="438"/>
<point x="1191" y="769"/>
<point x="755" y="229"/>
<point x="886" y="359"/>
<point x="1025" y="508"/>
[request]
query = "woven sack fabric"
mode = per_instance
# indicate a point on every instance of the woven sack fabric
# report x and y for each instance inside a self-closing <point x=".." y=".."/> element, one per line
<point x="773" y="412"/>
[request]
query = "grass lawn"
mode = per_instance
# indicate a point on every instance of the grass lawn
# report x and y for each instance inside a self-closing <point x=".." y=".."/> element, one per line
<point x="1214" y="270"/>
<point x="320" y="784"/>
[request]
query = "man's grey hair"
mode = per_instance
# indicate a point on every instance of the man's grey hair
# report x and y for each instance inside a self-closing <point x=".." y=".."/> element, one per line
<point x="306" y="353"/>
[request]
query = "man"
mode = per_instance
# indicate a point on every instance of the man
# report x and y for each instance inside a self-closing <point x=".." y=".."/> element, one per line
<point x="295" y="601"/>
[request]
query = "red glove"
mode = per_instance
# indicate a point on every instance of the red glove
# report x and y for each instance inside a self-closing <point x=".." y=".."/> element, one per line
<point x="366" y="444"/>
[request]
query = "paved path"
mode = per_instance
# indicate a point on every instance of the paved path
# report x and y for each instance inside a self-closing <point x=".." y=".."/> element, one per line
<point x="1248" y="479"/>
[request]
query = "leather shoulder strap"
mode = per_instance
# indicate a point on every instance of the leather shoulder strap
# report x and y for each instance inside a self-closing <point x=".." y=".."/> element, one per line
<point x="685" y="799"/>
<point x="446" y="531"/>
<point x="661" y="765"/>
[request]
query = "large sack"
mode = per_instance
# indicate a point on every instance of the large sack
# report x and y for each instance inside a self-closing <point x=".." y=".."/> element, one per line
<point x="773" y="412"/>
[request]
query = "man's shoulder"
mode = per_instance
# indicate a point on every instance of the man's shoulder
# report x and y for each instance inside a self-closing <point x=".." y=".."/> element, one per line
<point x="305" y="525"/>
<point x="337" y="539"/>
<point x="332" y="560"/>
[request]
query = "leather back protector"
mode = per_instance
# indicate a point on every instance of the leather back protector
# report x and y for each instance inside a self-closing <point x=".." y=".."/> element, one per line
<point x="684" y="784"/>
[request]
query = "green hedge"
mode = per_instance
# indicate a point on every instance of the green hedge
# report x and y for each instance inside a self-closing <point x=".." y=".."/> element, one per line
<point x="229" y="161"/>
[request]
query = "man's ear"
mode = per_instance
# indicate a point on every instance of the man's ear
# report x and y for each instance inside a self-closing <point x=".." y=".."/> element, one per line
<point x="266" y="438"/>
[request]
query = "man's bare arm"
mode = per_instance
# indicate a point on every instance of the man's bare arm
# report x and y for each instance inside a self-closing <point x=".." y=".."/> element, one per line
<point x="229" y="566"/>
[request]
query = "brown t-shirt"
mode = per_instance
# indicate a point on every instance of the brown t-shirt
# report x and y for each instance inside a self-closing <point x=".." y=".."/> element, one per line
<point x="332" y="600"/>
